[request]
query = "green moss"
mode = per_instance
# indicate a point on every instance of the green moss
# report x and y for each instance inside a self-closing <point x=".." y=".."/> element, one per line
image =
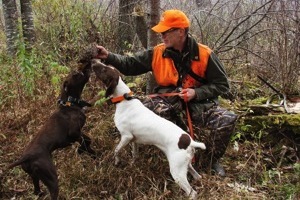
<point x="290" y="121"/>
<point x="293" y="120"/>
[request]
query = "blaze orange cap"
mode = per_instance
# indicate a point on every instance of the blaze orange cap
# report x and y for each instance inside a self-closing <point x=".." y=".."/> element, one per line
<point x="171" y="19"/>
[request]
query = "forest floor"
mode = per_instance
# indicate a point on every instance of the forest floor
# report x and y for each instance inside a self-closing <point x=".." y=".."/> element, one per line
<point x="254" y="169"/>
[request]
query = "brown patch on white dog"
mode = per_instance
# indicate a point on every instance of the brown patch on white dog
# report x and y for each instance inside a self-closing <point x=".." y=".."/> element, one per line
<point x="184" y="141"/>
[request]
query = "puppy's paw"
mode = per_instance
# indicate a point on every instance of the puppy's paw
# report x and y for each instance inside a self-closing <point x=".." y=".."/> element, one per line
<point x="39" y="193"/>
<point x="92" y="153"/>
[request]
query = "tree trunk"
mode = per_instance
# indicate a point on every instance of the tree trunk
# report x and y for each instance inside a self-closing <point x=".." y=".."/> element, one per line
<point x="125" y="29"/>
<point x="27" y="23"/>
<point x="141" y="28"/>
<point x="11" y="25"/>
<point x="153" y="39"/>
<point x="203" y="3"/>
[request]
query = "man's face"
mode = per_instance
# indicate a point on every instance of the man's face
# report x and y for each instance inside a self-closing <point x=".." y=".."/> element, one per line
<point x="173" y="37"/>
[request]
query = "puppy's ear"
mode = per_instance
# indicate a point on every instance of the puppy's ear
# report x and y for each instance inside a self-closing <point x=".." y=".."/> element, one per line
<point x="111" y="87"/>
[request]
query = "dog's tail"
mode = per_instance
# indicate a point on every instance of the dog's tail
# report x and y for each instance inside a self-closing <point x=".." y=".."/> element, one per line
<point x="18" y="162"/>
<point x="198" y="145"/>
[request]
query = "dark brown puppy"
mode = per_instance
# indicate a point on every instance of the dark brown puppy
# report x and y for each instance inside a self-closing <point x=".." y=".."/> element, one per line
<point x="61" y="130"/>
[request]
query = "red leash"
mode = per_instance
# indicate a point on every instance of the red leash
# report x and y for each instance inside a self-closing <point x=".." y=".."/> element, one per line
<point x="189" y="121"/>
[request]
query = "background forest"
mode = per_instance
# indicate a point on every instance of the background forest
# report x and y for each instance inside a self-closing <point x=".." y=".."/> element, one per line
<point x="41" y="41"/>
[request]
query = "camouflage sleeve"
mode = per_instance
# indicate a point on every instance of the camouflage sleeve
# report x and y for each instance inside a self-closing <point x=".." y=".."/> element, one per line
<point x="138" y="63"/>
<point x="217" y="81"/>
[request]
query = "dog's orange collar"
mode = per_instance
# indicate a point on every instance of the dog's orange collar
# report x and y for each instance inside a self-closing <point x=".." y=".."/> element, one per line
<point x="126" y="96"/>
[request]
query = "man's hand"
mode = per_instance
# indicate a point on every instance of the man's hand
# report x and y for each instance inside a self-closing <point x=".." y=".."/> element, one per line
<point x="187" y="94"/>
<point x="102" y="52"/>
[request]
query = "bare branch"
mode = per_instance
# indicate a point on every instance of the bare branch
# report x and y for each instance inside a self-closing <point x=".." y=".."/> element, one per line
<point x="225" y="41"/>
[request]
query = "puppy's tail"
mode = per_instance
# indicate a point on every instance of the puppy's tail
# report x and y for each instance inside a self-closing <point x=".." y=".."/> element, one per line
<point x="18" y="162"/>
<point x="198" y="145"/>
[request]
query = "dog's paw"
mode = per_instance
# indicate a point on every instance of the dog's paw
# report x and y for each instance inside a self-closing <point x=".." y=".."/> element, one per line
<point x="39" y="193"/>
<point x="132" y="162"/>
<point x="117" y="161"/>
<point x="80" y="151"/>
<point x="193" y="195"/>
<point x="198" y="177"/>
<point x="93" y="155"/>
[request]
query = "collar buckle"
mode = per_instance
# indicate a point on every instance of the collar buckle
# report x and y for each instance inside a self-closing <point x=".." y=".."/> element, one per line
<point x="127" y="96"/>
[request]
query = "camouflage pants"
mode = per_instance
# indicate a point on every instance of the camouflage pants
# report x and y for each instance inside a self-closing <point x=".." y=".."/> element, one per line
<point x="211" y="124"/>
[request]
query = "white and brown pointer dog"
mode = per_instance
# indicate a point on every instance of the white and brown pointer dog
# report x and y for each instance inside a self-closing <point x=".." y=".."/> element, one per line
<point x="139" y="124"/>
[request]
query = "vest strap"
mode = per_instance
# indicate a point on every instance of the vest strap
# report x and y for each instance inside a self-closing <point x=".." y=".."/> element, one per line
<point x="197" y="77"/>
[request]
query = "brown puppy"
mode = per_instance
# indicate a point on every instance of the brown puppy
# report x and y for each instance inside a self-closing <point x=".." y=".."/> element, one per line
<point x="61" y="130"/>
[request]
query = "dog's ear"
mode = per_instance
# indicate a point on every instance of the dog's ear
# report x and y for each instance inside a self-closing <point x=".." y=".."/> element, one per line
<point x="111" y="87"/>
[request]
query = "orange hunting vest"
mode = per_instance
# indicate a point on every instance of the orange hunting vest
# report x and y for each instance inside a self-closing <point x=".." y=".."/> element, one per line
<point x="165" y="72"/>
